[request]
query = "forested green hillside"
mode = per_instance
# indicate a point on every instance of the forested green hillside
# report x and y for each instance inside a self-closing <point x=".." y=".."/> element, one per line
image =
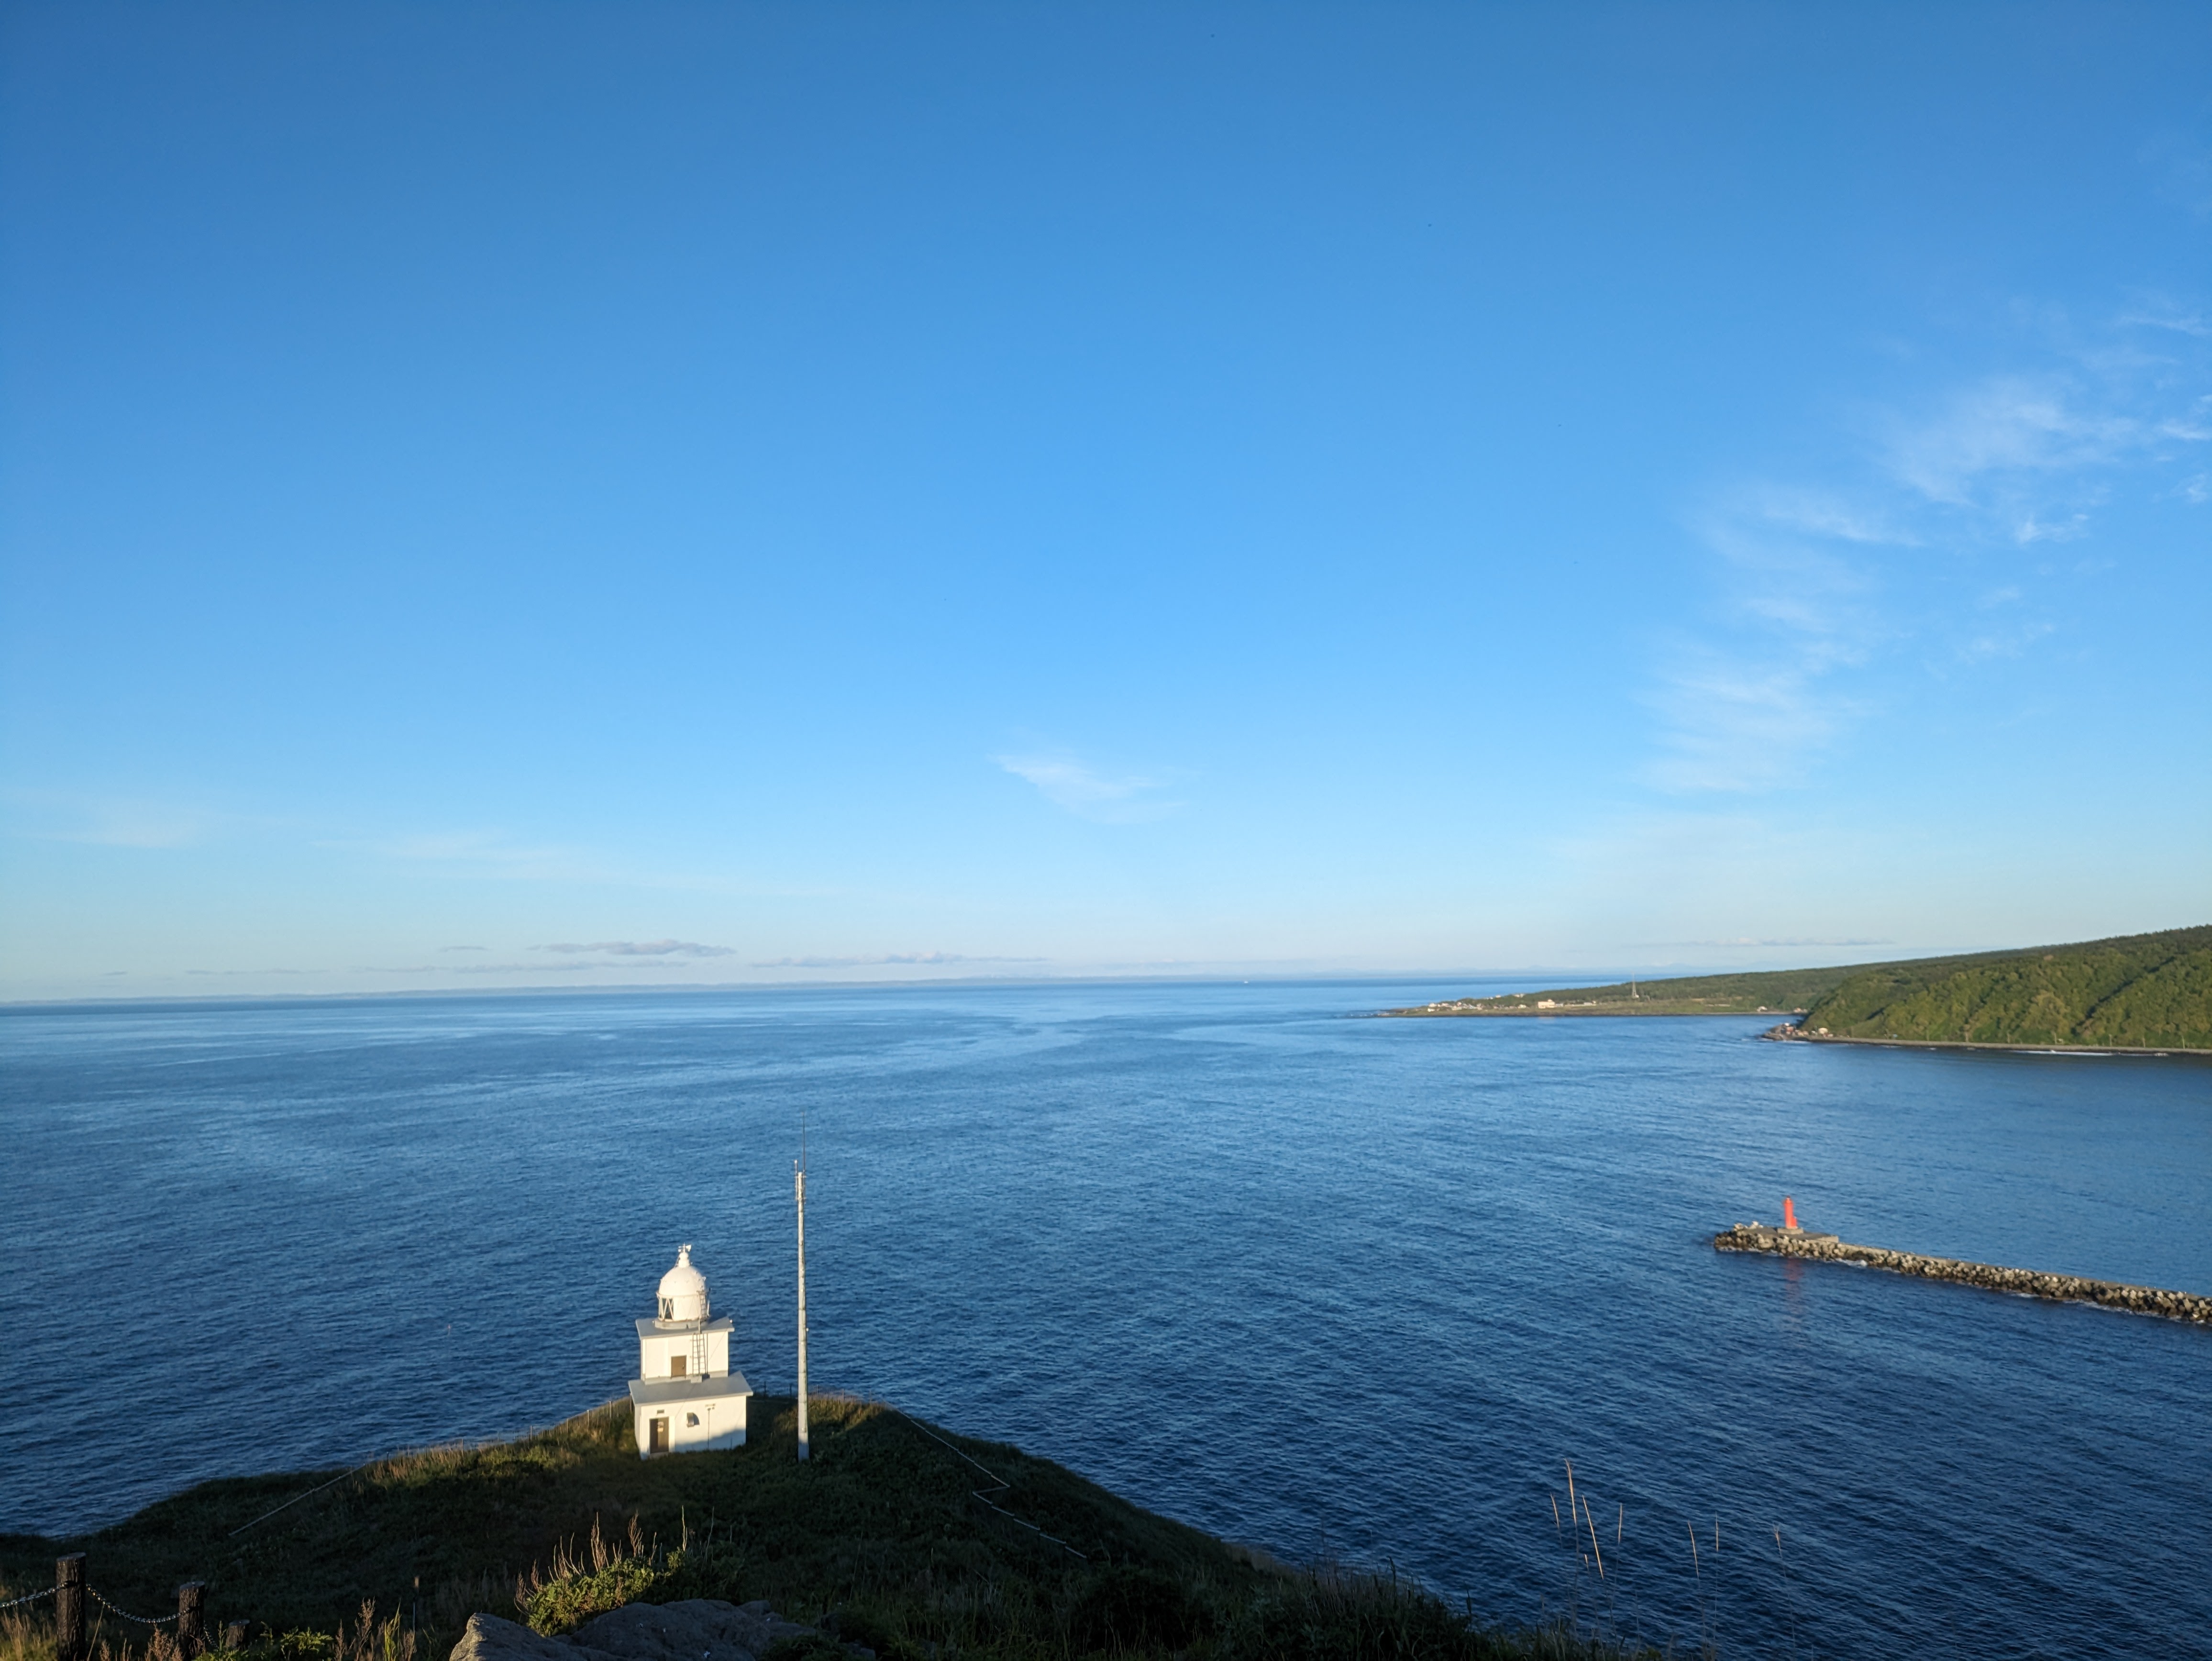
<point x="2152" y="991"/>
<point x="2135" y="991"/>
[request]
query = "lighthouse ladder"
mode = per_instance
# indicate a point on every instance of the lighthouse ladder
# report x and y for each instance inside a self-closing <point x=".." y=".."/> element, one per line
<point x="699" y="1350"/>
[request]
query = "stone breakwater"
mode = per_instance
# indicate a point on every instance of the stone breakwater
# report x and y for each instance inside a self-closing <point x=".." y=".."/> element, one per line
<point x="2067" y="1288"/>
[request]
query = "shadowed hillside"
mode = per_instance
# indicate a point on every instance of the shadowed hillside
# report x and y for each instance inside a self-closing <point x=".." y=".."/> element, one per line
<point x="911" y="1542"/>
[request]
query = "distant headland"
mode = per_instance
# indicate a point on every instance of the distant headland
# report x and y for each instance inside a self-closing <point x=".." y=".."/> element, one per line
<point x="2143" y="993"/>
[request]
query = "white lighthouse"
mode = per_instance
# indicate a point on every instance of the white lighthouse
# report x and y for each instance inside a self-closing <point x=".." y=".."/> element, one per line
<point x="685" y="1398"/>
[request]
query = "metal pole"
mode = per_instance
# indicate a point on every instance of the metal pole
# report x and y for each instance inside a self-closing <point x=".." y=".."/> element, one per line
<point x="800" y="1172"/>
<point x="69" y="1607"/>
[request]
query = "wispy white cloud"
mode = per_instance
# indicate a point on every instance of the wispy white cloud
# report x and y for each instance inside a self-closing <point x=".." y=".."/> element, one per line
<point x="2164" y="314"/>
<point x="502" y="855"/>
<point x="1794" y="558"/>
<point x="2005" y="425"/>
<point x="484" y="853"/>
<point x="1089" y="793"/>
<point x="885" y="958"/>
<point x="2003" y="642"/>
<point x="2181" y="163"/>
<point x="1744" y="707"/>
<point x="2033" y="528"/>
<point x="642" y="949"/>
<point x="1733" y="723"/>
<point x="111" y="821"/>
<point x="1813" y="587"/>
<point x="577" y="966"/>
<point x="1744" y="939"/>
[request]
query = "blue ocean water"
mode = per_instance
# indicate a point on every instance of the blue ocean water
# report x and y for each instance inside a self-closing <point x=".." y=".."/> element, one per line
<point x="1330" y="1284"/>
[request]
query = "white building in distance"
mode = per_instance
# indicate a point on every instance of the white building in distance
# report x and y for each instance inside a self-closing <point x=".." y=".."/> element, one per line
<point x="685" y="1398"/>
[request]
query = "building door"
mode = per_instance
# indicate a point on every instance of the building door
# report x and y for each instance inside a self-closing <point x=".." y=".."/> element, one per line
<point x="658" y="1434"/>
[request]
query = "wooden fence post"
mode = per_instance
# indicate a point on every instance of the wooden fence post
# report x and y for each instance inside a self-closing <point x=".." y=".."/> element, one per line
<point x="234" y="1635"/>
<point x="192" y="1614"/>
<point x="69" y="1607"/>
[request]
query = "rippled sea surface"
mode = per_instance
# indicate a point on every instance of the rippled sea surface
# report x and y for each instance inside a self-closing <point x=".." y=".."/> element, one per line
<point x="1330" y="1285"/>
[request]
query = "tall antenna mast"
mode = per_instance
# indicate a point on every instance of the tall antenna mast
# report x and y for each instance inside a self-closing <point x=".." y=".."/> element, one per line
<point x="798" y="1171"/>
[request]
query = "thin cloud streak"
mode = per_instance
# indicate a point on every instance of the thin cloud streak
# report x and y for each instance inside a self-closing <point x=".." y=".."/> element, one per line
<point x="1790" y="940"/>
<point x="486" y="852"/>
<point x="884" y="959"/>
<point x="1746" y="711"/>
<point x="113" y="822"/>
<point x="644" y="949"/>
<point x="1087" y="793"/>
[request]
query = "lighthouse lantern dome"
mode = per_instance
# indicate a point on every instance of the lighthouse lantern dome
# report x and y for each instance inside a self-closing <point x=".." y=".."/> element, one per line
<point x="683" y="1290"/>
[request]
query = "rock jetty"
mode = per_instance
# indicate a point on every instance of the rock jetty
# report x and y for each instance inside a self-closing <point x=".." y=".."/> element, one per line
<point x="2067" y="1288"/>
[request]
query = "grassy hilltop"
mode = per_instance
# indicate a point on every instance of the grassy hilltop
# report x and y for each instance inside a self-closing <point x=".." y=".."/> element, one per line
<point x="880" y="1537"/>
<point x="2136" y="991"/>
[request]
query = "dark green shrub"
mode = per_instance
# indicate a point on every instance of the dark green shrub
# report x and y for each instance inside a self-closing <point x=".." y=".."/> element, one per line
<point x="1124" y="1607"/>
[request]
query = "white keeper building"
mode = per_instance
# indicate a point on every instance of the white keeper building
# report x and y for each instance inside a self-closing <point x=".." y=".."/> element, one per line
<point x="685" y="1398"/>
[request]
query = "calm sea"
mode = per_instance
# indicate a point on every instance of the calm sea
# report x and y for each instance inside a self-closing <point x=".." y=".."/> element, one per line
<point x="1330" y="1284"/>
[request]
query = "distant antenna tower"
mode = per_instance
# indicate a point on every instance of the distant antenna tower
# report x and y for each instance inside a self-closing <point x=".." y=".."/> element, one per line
<point x="798" y="1171"/>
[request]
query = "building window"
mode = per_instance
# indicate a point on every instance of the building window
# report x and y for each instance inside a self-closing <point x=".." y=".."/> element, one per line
<point x="691" y="1418"/>
<point x="676" y="1364"/>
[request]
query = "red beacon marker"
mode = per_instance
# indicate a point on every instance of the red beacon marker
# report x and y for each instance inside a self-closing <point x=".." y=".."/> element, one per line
<point x="1789" y="1214"/>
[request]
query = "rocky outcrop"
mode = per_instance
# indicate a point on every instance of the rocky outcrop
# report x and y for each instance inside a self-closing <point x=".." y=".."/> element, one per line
<point x="2067" y="1288"/>
<point x="487" y="1637"/>
<point x="696" y="1629"/>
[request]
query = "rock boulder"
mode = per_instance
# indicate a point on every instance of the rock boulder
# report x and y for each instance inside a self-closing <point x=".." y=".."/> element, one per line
<point x="696" y="1629"/>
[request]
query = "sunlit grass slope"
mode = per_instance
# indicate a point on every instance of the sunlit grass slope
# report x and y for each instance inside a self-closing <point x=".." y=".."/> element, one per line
<point x="881" y="1535"/>
<point x="2149" y="991"/>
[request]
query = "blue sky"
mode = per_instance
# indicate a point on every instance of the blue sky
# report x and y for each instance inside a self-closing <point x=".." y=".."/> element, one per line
<point x="551" y="495"/>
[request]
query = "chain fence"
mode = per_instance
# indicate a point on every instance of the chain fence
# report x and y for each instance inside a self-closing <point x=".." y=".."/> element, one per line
<point x="28" y="1598"/>
<point x="159" y="1620"/>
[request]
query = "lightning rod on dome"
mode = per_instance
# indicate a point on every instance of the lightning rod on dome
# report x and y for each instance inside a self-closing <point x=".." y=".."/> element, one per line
<point x="798" y="1173"/>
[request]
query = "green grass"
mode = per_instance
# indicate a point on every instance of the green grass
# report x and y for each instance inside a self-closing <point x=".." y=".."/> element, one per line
<point x="2136" y="991"/>
<point x="880" y="1535"/>
<point x="1769" y="992"/>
